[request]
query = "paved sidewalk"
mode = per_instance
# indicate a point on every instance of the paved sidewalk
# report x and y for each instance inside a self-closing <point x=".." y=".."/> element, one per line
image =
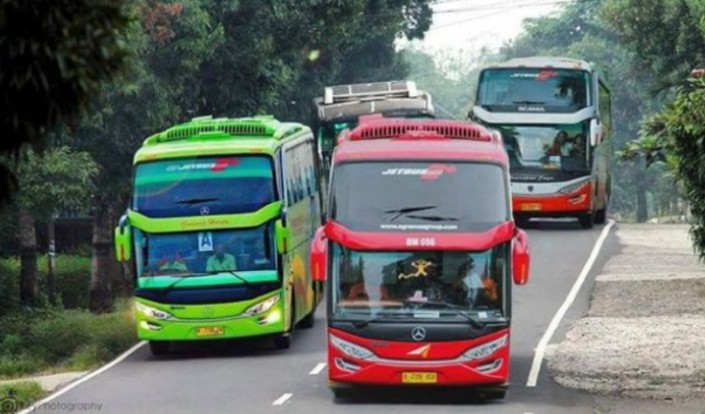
<point x="644" y="335"/>
<point x="51" y="382"/>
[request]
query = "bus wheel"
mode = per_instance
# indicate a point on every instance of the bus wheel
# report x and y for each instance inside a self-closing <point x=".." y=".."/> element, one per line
<point x="600" y="216"/>
<point x="159" y="347"/>
<point x="495" y="395"/>
<point x="342" y="393"/>
<point x="308" y="321"/>
<point x="586" y="220"/>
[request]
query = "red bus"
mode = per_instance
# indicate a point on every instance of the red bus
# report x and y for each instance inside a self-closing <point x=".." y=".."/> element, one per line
<point x="418" y="252"/>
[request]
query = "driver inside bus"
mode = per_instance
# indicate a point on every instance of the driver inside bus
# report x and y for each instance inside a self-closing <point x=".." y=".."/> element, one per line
<point x="221" y="261"/>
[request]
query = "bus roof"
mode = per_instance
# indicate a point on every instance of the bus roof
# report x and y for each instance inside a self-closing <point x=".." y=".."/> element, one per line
<point x="380" y="138"/>
<point x="219" y="136"/>
<point x="393" y="98"/>
<point x="544" y="62"/>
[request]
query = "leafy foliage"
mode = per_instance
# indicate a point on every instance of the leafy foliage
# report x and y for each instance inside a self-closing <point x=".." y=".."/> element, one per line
<point x="55" y="56"/>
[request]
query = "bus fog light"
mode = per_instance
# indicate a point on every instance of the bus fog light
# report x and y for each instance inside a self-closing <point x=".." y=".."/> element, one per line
<point x="150" y="326"/>
<point x="485" y="350"/>
<point x="262" y="307"/>
<point x="343" y="365"/>
<point x="493" y="366"/>
<point x="351" y="349"/>
<point x="273" y="317"/>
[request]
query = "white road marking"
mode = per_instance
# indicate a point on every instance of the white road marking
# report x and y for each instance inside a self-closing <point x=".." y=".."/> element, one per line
<point x="543" y="343"/>
<point x="318" y="368"/>
<point x="69" y="387"/>
<point x="281" y="400"/>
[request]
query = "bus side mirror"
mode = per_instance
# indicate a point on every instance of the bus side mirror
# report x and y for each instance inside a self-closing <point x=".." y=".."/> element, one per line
<point x="319" y="256"/>
<point x="123" y="241"/>
<point x="595" y="132"/>
<point x="283" y="235"/>
<point x="520" y="258"/>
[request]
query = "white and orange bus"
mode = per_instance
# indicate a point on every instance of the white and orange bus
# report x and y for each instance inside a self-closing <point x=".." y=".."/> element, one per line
<point x="554" y="116"/>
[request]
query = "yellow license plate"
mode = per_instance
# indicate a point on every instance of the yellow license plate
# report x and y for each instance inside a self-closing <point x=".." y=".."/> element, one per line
<point x="419" y="377"/>
<point x="210" y="331"/>
<point x="531" y="207"/>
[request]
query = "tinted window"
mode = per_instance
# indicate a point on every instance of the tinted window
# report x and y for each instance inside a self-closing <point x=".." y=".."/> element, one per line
<point x="534" y="90"/>
<point x="419" y="196"/>
<point x="299" y="172"/>
<point x="197" y="186"/>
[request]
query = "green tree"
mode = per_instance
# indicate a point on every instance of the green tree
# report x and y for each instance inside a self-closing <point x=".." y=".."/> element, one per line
<point x="59" y="178"/>
<point x="55" y="56"/>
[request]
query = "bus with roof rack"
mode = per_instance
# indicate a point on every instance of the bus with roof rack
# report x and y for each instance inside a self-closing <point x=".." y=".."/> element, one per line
<point x="341" y="106"/>
<point x="554" y="114"/>
<point x="218" y="231"/>
<point x="419" y="266"/>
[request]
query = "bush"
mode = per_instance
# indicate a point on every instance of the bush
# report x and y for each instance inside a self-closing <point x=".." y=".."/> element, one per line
<point x="15" y="397"/>
<point x="34" y="341"/>
<point x="9" y="280"/>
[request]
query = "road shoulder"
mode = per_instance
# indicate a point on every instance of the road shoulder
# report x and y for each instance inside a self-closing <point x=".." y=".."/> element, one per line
<point x="642" y="336"/>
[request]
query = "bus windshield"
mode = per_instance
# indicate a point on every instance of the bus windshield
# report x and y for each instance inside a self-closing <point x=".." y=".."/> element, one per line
<point x="205" y="251"/>
<point x="203" y="186"/>
<point x="546" y="148"/>
<point x="534" y="90"/>
<point x="419" y="196"/>
<point x="431" y="284"/>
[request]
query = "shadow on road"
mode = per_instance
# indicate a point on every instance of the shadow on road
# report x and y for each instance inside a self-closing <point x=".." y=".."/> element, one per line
<point x="561" y="224"/>
<point x="416" y="395"/>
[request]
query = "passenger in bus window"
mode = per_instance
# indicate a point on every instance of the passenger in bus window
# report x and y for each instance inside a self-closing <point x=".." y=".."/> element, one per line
<point x="578" y="149"/>
<point x="560" y="145"/>
<point x="172" y="263"/>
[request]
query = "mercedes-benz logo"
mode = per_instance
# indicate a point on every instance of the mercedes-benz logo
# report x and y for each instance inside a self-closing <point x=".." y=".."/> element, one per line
<point x="205" y="211"/>
<point x="208" y="311"/>
<point x="418" y="333"/>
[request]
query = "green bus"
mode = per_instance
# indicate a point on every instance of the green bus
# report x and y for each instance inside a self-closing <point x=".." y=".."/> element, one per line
<point x="218" y="231"/>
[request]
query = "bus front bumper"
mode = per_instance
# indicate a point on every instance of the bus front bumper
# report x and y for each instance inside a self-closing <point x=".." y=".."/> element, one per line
<point x="267" y="323"/>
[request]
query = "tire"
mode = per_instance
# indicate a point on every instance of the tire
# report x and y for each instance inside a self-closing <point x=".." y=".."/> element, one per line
<point x="495" y="395"/>
<point x="159" y="347"/>
<point x="586" y="221"/>
<point x="342" y="393"/>
<point x="600" y="216"/>
<point x="308" y="321"/>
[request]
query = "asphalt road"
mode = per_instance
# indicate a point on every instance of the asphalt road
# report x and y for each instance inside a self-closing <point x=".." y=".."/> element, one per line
<point x="252" y="377"/>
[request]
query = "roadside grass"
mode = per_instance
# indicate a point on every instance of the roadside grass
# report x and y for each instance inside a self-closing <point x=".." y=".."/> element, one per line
<point x="56" y="340"/>
<point x="15" y="397"/>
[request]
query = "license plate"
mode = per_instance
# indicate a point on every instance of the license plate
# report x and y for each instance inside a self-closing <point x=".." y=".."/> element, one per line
<point x="210" y="331"/>
<point x="531" y="207"/>
<point x="419" y="377"/>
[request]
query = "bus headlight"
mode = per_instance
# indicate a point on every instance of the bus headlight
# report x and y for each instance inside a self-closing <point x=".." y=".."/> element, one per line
<point x="152" y="312"/>
<point x="485" y="350"/>
<point x="574" y="188"/>
<point x="263" y="306"/>
<point x="350" y="349"/>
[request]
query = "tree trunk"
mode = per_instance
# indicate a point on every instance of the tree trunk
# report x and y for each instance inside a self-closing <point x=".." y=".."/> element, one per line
<point x="51" y="268"/>
<point x="101" y="292"/>
<point x="28" y="257"/>
<point x="642" y="211"/>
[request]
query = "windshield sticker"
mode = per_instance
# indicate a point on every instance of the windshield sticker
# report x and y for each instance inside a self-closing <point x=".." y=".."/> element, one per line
<point x="420" y="266"/>
<point x="205" y="241"/>
<point x="432" y="172"/>
<point x="546" y="74"/>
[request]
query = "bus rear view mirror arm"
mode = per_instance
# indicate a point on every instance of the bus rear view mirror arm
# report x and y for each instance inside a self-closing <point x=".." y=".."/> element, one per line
<point x="283" y="236"/>
<point x="520" y="258"/>
<point x="319" y="256"/>
<point x="123" y="240"/>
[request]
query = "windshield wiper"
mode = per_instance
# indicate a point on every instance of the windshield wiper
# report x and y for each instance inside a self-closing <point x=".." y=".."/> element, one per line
<point x="460" y="310"/>
<point x="173" y="284"/>
<point x="192" y="201"/>
<point x="232" y="272"/>
<point x="528" y="102"/>
<point x="407" y="210"/>
<point x="432" y="218"/>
